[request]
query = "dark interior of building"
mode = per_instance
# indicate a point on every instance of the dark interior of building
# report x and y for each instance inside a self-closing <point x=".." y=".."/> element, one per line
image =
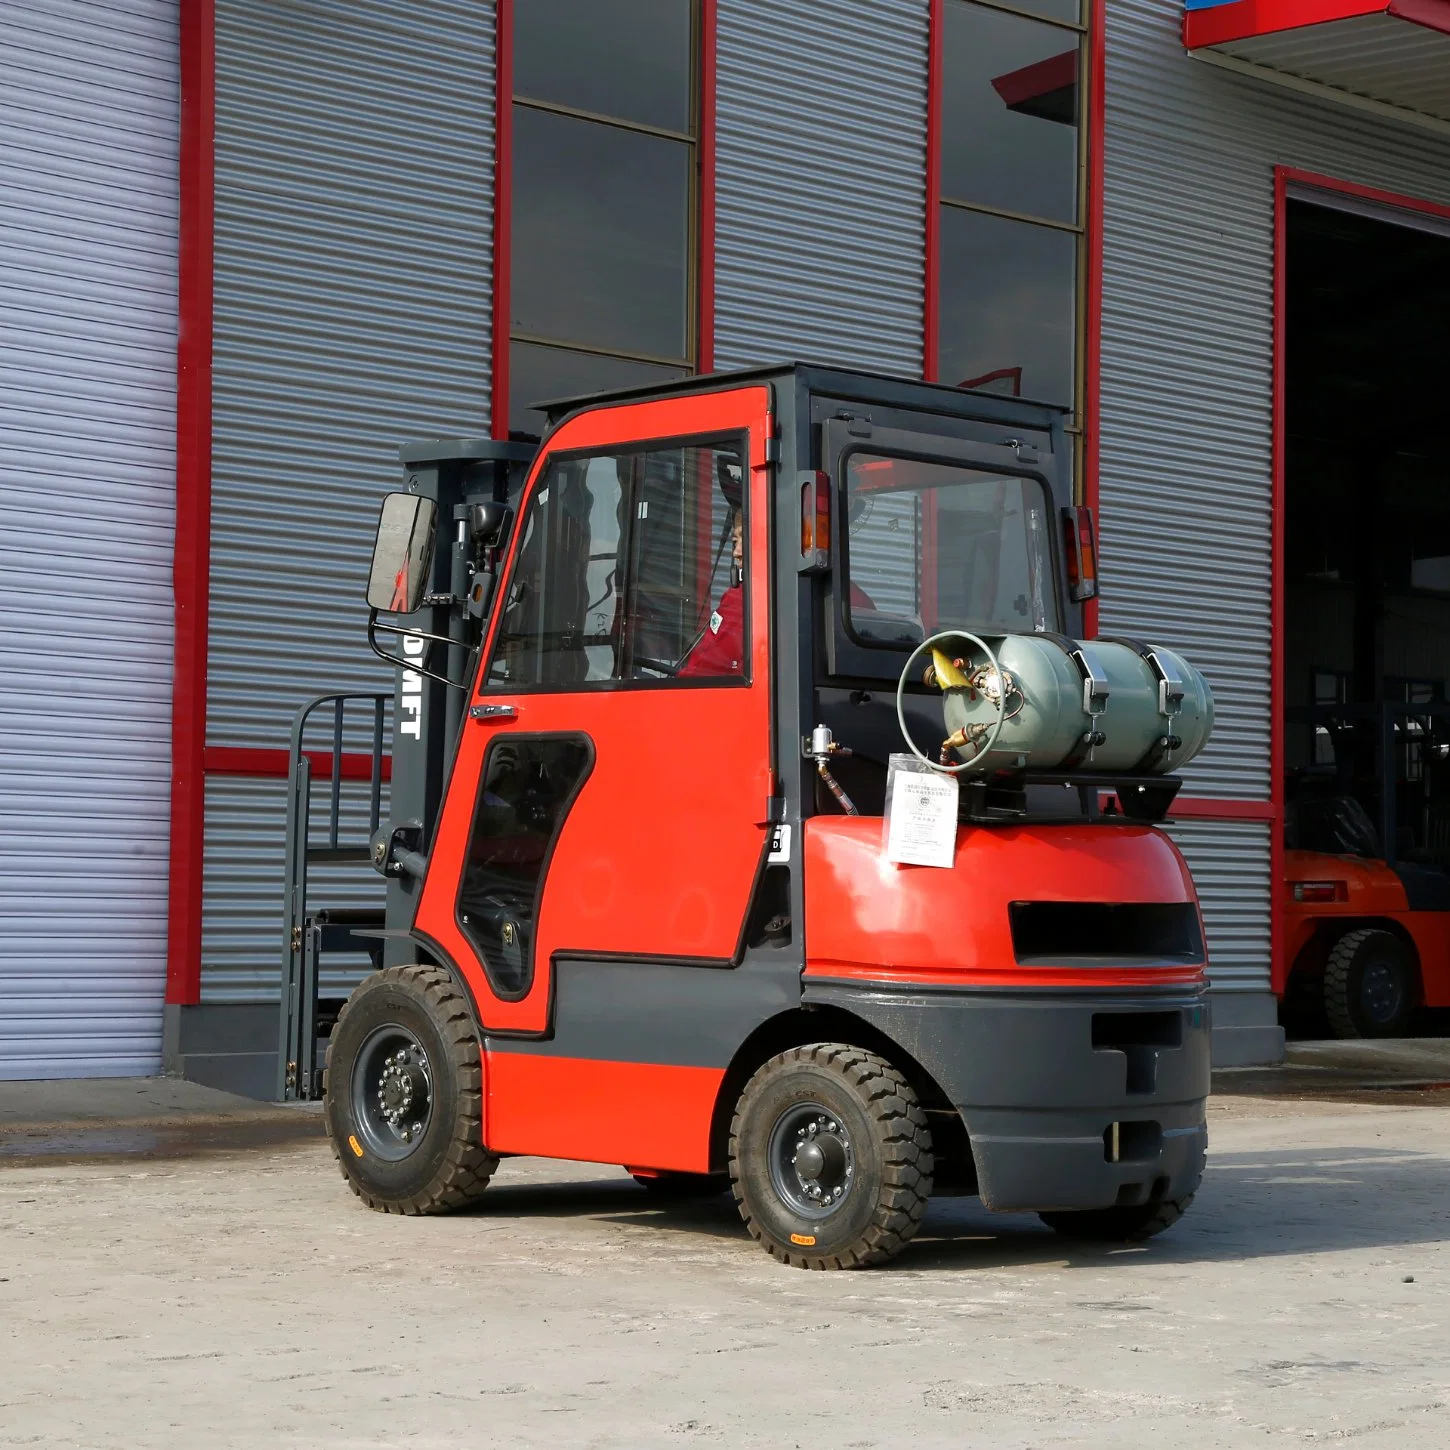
<point x="1367" y="537"/>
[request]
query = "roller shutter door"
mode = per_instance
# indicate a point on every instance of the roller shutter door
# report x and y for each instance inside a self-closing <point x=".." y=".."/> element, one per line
<point x="353" y="276"/>
<point x="821" y="183"/>
<point x="1187" y="367"/>
<point x="88" y="241"/>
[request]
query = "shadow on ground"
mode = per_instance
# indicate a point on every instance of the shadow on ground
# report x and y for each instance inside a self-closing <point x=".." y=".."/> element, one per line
<point x="1252" y="1205"/>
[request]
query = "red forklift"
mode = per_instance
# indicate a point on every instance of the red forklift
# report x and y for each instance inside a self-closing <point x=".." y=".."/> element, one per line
<point x="741" y="826"/>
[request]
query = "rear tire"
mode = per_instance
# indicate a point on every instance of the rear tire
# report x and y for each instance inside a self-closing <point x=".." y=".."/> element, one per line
<point x="1369" y="985"/>
<point x="403" y="1094"/>
<point x="830" y="1158"/>
<point x="1128" y="1225"/>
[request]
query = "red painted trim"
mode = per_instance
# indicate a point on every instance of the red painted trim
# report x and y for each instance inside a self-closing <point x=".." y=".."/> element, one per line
<point x="1277" y="672"/>
<point x="192" y="558"/>
<point x="262" y="763"/>
<point x="1432" y="14"/>
<point x="503" y="210"/>
<point x="1223" y="24"/>
<point x="1093" y="282"/>
<point x="931" y="293"/>
<point x="705" y="270"/>
<point x="1288" y="175"/>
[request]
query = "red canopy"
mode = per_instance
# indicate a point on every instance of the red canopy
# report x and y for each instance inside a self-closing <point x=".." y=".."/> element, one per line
<point x="1391" y="52"/>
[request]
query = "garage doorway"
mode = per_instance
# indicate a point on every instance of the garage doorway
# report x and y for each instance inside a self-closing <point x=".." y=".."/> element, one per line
<point x="1365" y="684"/>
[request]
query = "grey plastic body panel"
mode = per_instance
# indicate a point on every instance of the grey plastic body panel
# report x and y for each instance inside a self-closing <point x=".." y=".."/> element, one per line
<point x="820" y="183"/>
<point x="1187" y="400"/>
<point x="661" y="1012"/>
<point x="353" y="280"/>
<point x="88" y="278"/>
<point x="1038" y="1099"/>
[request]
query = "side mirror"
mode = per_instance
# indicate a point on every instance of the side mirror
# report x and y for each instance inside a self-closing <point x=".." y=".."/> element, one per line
<point x="402" y="554"/>
<point x="1080" y="537"/>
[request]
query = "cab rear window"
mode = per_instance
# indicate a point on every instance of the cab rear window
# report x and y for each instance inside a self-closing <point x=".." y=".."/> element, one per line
<point x="933" y="545"/>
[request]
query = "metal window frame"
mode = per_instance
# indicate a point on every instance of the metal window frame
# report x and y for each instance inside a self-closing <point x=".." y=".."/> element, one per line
<point x="697" y="217"/>
<point x="1088" y="30"/>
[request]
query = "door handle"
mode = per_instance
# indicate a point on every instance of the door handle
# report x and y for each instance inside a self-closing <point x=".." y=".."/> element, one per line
<point x="492" y="713"/>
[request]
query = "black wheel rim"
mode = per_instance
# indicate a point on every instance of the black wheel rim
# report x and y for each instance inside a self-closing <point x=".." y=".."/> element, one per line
<point x="392" y="1093"/>
<point x="1381" y="992"/>
<point x="812" y="1161"/>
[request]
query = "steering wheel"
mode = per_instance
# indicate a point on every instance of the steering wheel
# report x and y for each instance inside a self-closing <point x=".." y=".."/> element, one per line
<point x="995" y="729"/>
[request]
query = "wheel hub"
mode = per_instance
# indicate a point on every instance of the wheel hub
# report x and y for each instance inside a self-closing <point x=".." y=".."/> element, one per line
<point x="812" y="1161"/>
<point x="1380" y="992"/>
<point x="402" y="1083"/>
<point x="392" y="1092"/>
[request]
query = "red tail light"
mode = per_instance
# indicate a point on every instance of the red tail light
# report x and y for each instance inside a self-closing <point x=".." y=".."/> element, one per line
<point x="1080" y="536"/>
<point x="1318" y="892"/>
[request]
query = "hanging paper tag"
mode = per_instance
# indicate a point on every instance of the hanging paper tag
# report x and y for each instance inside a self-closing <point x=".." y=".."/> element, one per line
<point x="920" y="828"/>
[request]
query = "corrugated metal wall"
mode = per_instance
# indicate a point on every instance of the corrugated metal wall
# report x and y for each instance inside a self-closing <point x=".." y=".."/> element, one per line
<point x="1230" y="861"/>
<point x="820" y="182"/>
<point x="88" y="177"/>
<point x="353" y="275"/>
<point x="1186" y="394"/>
<point x="246" y="823"/>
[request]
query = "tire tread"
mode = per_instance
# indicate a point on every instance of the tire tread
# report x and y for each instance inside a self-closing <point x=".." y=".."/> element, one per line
<point x="467" y="1165"/>
<point x="905" y="1139"/>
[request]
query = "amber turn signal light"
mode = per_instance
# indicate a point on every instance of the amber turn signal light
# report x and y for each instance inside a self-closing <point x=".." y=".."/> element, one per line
<point x="1079" y="531"/>
<point x="816" y="520"/>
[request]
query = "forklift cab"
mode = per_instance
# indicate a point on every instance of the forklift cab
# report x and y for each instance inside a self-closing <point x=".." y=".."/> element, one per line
<point x="638" y="909"/>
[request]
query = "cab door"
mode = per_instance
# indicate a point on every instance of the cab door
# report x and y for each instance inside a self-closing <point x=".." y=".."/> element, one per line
<point x="609" y="794"/>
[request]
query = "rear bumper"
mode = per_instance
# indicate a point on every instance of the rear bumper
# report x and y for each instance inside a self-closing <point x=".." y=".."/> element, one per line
<point x="1052" y="1084"/>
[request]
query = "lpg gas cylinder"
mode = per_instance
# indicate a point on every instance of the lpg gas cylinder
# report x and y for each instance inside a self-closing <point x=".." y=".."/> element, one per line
<point x="1114" y="706"/>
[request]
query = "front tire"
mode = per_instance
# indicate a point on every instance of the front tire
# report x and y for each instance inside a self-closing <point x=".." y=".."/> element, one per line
<point x="403" y="1094"/>
<point x="830" y="1158"/>
<point x="1369" y="985"/>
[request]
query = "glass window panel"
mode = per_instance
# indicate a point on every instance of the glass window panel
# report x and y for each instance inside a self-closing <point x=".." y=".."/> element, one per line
<point x="563" y="621"/>
<point x="670" y="519"/>
<point x="1009" y="112"/>
<point x="528" y="782"/>
<point x="1008" y="305"/>
<point x="600" y="234"/>
<point x="625" y="58"/>
<point x="935" y="546"/>
<point x="542" y="374"/>
<point x="1069" y="10"/>
<point x="687" y="611"/>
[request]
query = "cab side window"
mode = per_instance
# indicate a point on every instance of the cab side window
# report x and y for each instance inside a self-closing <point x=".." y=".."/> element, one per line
<point x="630" y="570"/>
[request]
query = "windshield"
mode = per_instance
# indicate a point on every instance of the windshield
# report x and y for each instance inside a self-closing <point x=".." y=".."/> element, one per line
<point x="934" y="546"/>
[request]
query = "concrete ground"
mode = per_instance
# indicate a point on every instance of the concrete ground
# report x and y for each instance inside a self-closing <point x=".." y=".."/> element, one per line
<point x="185" y="1269"/>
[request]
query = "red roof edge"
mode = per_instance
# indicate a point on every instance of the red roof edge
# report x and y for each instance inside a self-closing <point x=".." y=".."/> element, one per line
<point x="1244" y="19"/>
<point x="1432" y="14"/>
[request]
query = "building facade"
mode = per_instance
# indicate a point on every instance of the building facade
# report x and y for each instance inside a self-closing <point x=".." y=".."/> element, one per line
<point x="252" y="247"/>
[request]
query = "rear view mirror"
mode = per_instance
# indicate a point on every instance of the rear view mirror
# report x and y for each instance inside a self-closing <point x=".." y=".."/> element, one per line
<point x="402" y="554"/>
